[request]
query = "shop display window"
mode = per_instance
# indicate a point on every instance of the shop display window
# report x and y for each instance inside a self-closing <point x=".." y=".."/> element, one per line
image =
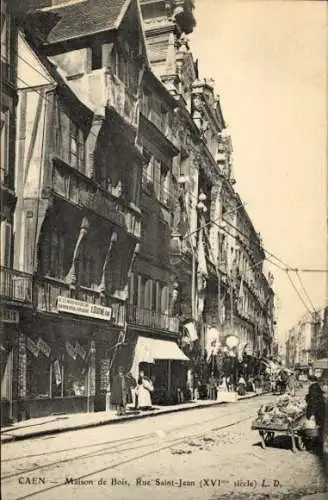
<point x="75" y="376"/>
<point x="64" y="375"/>
<point x="37" y="376"/>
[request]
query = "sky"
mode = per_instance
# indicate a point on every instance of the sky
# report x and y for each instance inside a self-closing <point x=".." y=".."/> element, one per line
<point x="269" y="61"/>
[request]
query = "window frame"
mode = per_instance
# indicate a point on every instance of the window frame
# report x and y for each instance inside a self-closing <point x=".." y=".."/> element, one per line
<point x="6" y="257"/>
<point x="76" y="137"/>
<point x="5" y="131"/>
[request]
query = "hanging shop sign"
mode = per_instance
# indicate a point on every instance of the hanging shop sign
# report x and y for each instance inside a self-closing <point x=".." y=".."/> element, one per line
<point x="10" y="316"/>
<point x="77" y="350"/>
<point x="57" y="371"/>
<point x="36" y="347"/>
<point x="71" y="350"/>
<point x="80" y="351"/>
<point x="43" y="347"/>
<point x="32" y="347"/>
<point x="73" y="306"/>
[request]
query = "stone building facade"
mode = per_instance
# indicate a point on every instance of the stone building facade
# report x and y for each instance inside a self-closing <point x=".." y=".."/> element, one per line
<point x="131" y="243"/>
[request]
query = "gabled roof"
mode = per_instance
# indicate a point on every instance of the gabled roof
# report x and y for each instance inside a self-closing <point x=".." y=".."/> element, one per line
<point x="77" y="20"/>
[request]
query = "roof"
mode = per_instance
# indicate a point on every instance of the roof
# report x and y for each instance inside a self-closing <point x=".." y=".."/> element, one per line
<point x="79" y="19"/>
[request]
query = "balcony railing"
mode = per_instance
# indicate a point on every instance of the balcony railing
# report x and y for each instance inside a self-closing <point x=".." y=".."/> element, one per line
<point x="82" y="191"/>
<point x="151" y="319"/>
<point x="15" y="285"/>
<point x="48" y="290"/>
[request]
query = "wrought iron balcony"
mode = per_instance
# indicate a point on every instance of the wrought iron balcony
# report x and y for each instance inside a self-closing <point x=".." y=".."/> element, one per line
<point x="151" y="319"/>
<point x="15" y="285"/>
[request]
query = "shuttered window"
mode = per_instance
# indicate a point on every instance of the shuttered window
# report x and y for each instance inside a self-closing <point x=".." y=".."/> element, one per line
<point x="76" y="147"/>
<point x="57" y="249"/>
<point x="6" y="241"/>
<point x="4" y="143"/>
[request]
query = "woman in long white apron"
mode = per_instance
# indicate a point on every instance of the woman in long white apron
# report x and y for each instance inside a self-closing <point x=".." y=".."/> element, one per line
<point x="143" y="391"/>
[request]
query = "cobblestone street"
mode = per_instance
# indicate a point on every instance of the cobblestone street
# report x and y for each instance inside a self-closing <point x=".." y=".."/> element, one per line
<point x="209" y="453"/>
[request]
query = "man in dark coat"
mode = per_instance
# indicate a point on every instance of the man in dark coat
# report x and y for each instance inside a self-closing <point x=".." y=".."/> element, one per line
<point x="121" y="391"/>
<point x="316" y="408"/>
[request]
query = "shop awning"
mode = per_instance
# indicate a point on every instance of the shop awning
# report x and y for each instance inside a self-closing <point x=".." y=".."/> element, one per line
<point x="147" y="350"/>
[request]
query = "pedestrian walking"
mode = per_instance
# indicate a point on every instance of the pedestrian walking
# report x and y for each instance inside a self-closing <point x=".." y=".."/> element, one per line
<point x="143" y="390"/>
<point x="292" y="383"/>
<point x="211" y="388"/>
<point x="121" y="391"/>
<point x="241" y="386"/>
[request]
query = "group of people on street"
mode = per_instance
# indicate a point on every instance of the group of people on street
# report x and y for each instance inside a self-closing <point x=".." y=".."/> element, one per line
<point x="126" y="390"/>
<point x="225" y="371"/>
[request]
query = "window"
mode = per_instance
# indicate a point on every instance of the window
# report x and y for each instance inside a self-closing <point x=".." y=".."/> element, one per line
<point x="76" y="147"/>
<point x="4" y="143"/>
<point x="6" y="240"/>
<point x="57" y="248"/>
<point x="96" y="57"/>
<point x="164" y="184"/>
<point x="87" y="267"/>
<point x="148" y="172"/>
<point x="146" y="103"/>
<point x="133" y="289"/>
<point x="156" y="114"/>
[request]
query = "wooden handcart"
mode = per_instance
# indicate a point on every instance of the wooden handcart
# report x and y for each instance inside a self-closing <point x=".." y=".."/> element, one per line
<point x="295" y="430"/>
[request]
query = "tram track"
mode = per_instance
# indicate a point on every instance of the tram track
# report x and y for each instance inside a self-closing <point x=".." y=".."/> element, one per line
<point x="116" y="448"/>
<point x="149" y="449"/>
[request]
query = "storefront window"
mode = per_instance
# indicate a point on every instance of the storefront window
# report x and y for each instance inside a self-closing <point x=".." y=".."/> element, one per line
<point x="37" y="375"/>
<point x="75" y="376"/>
<point x="56" y="373"/>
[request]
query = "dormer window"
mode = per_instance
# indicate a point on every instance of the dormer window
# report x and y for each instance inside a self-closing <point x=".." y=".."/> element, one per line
<point x="96" y="57"/>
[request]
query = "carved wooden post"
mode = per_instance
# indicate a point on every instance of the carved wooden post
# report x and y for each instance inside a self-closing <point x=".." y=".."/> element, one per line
<point x="102" y="285"/>
<point x="91" y="145"/>
<point x="71" y="275"/>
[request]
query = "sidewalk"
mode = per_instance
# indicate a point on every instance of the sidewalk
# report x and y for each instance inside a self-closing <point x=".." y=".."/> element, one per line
<point x="54" y="424"/>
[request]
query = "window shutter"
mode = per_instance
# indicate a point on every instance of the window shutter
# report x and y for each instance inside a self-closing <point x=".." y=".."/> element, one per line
<point x="65" y="136"/>
<point x="140" y="302"/>
<point x="6" y="233"/>
<point x="157" y="178"/>
<point x="148" y="297"/>
<point x="131" y="288"/>
<point x="165" y="300"/>
<point x="81" y="151"/>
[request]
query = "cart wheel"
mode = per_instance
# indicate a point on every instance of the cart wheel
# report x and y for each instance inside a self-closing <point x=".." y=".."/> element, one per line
<point x="262" y="439"/>
<point x="300" y="443"/>
<point x="268" y="438"/>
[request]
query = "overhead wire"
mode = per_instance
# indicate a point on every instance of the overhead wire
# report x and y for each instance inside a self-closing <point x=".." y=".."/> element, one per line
<point x="305" y="291"/>
<point x="297" y="292"/>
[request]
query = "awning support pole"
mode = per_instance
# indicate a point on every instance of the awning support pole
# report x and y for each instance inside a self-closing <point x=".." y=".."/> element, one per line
<point x="169" y="375"/>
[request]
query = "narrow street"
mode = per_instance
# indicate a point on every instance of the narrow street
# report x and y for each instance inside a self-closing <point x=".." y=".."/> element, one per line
<point x="208" y="453"/>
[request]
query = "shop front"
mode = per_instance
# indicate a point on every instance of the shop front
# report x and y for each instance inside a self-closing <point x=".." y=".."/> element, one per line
<point x="165" y="364"/>
<point x="59" y="364"/>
